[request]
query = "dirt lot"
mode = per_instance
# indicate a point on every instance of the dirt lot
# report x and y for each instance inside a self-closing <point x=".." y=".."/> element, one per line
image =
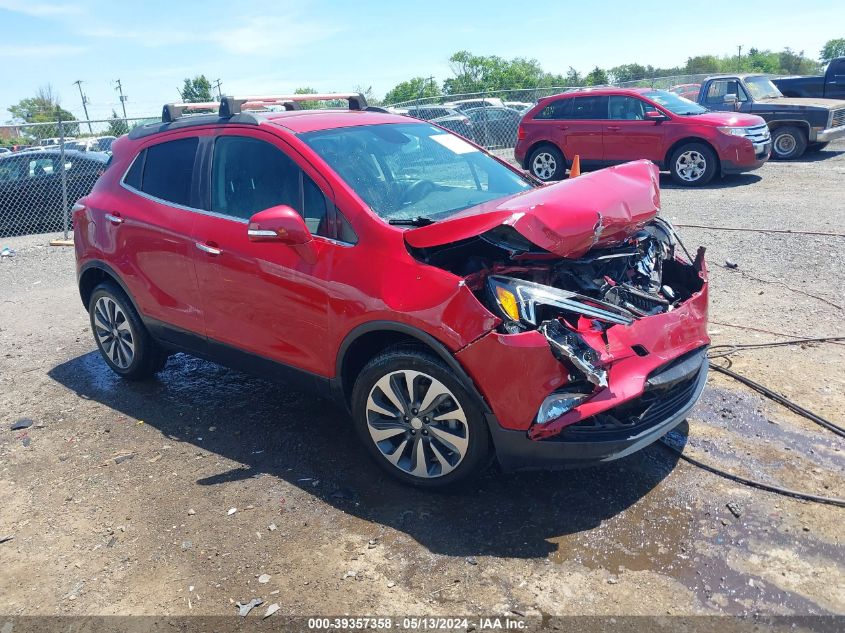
<point x="119" y="497"/>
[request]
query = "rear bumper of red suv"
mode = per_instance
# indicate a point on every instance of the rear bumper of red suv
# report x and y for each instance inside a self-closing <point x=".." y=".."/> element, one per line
<point x="655" y="372"/>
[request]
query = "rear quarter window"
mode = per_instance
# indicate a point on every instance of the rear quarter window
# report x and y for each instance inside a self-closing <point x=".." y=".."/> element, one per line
<point x="168" y="170"/>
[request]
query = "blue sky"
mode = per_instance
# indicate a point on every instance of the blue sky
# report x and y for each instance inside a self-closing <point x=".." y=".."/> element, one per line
<point x="276" y="46"/>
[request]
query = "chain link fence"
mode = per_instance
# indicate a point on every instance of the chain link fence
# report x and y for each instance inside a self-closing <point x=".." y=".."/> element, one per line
<point x="46" y="167"/>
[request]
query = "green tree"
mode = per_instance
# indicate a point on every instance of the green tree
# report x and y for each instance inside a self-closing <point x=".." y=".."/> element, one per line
<point x="307" y="105"/>
<point x="573" y="78"/>
<point x="832" y="49"/>
<point x="627" y="72"/>
<point x="117" y="126"/>
<point x="196" y="90"/>
<point x="793" y="63"/>
<point x="478" y="73"/>
<point x="44" y="107"/>
<point x="703" y="64"/>
<point x="596" y="77"/>
<point x="414" y="88"/>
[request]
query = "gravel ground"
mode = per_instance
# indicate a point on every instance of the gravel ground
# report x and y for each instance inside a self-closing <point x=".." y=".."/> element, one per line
<point x="120" y="497"/>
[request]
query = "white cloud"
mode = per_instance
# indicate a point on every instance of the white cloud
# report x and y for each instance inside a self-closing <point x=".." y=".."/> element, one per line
<point x="278" y="35"/>
<point x="40" y="9"/>
<point x="40" y="51"/>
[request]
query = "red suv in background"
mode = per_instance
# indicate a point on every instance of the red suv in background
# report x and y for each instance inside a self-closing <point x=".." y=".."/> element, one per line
<point x="458" y="309"/>
<point x="605" y="126"/>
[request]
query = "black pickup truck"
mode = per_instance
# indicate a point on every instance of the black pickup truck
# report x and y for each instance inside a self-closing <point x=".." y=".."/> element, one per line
<point x="830" y="85"/>
<point x="797" y="124"/>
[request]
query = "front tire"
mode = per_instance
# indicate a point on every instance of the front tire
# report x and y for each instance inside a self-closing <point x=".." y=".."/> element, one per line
<point x="693" y="164"/>
<point x="788" y="143"/>
<point x="121" y="337"/>
<point x="417" y="420"/>
<point x="547" y="163"/>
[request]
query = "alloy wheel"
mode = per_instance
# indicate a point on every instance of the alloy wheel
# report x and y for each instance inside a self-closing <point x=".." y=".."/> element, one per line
<point x="417" y="424"/>
<point x="544" y="165"/>
<point x="114" y="332"/>
<point x="691" y="165"/>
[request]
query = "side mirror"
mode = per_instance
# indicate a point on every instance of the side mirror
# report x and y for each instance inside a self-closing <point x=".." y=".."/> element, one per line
<point x="656" y="116"/>
<point x="730" y="99"/>
<point x="278" y="224"/>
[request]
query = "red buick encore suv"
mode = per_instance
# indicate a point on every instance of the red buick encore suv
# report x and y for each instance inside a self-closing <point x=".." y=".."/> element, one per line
<point x="460" y="310"/>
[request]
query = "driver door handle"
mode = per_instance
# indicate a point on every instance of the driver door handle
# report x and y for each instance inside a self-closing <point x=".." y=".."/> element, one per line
<point x="613" y="128"/>
<point x="205" y="248"/>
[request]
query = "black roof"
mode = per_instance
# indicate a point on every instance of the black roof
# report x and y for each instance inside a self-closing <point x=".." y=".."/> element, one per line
<point x="192" y="121"/>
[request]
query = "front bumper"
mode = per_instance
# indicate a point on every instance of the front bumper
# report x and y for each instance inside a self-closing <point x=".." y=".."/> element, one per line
<point x="516" y="451"/>
<point x="744" y="154"/>
<point x="830" y="134"/>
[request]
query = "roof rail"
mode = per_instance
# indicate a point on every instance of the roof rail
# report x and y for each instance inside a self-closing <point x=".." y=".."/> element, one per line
<point x="229" y="106"/>
<point x="172" y="111"/>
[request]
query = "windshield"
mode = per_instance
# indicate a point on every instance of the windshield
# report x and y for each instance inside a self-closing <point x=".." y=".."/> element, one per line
<point x="674" y="103"/>
<point x="762" y="88"/>
<point x="414" y="170"/>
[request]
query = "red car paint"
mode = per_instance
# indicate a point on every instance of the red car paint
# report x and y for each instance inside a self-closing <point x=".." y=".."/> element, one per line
<point x="607" y="141"/>
<point x="561" y="218"/>
<point x="301" y="306"/>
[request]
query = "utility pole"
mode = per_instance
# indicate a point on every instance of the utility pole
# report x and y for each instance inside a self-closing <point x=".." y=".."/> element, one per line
<point x="123" y="98"/>
<point x="739" y="54"/>
<point x="78" y="83"/>
<point x="217" y="85"/>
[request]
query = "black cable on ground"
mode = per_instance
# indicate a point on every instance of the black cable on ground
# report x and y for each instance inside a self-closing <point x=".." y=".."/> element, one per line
<point x="834" y="501"/>
<point x="751" y="230"/>
<point x="838" y="430"/>
<point x="795" y="408"/>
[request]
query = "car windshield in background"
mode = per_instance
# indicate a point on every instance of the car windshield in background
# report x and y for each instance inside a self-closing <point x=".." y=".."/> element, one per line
<point x="675" y="103"/>
<point x="762" y="88"/>
<point x="414" y="170"/>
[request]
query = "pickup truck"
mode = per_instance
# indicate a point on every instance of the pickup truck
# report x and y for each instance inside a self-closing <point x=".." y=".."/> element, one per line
<point x="796" y="124"/>
<point x="830" y="85"/>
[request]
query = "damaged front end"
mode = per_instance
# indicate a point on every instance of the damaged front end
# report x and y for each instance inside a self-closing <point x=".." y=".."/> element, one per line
<point x="613" y="318"/>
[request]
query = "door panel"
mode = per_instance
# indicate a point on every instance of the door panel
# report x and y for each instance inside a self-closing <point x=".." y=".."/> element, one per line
<point x="151" y="243"/>
<point x="627" y="135"/>
<point x="265" y="298"/>
<point x="581" y="133"/>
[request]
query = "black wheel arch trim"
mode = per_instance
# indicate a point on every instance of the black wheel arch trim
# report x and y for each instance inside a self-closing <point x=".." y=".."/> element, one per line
<point x="102" y="266"/>
<point x="423" y="337"/>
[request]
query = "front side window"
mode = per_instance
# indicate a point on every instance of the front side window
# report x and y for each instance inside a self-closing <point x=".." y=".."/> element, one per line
<point x="626" y="108"/>
<point x="760" y="88"/>
<point x="169" y="169"/>
<point x="250" y="175"/>
<point x="411" y="170"/>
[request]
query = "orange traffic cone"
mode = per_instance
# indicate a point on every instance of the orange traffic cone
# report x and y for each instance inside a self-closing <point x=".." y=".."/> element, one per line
<point x="575" y="170"/>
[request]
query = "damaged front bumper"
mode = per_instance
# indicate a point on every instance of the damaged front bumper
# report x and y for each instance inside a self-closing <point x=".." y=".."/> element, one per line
<point x="646" y="377"/>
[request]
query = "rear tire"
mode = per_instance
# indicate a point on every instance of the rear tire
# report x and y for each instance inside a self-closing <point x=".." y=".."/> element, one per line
<point x="417" y="420"/>
<point x="693" y="164"/>
<point x="788" y="143"/>
<point x="547" y="163"/>
<point x="121" y="337"/>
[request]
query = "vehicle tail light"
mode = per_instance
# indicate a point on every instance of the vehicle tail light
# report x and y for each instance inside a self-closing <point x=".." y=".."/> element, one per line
<point x="520" y="133"/>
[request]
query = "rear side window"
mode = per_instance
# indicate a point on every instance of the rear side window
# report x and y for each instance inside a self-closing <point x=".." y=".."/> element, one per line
<point x="136" y="171"/>
<point x="560" y="109"/>
<point x="168" y="170"/>
<point x="589" y="108"/>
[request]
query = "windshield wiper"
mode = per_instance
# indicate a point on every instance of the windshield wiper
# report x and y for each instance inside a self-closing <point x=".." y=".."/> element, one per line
<point x="417" y="221"/>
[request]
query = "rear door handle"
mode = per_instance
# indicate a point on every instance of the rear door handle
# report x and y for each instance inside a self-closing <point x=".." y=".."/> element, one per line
<point x="613" y="128"/>
<point x="205" y="248"/>
<point x="114" y="219"/>
<point x="563" y="127"/>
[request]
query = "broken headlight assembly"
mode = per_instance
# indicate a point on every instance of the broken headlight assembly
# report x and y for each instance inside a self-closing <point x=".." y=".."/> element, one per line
<point x="524" y="304"/>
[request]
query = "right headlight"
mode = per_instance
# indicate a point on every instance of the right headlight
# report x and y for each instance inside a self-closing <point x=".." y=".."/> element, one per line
<point x="734" y="131"/>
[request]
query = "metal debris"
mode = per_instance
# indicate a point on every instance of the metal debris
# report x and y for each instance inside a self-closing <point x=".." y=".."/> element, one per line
<point x="22" y="423"/>
<point x="271" y="610"/>
<point x="244" y="609"/>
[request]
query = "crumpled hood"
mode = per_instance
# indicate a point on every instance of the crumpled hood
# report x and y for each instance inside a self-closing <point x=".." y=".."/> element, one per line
<point x="567" y="218"/>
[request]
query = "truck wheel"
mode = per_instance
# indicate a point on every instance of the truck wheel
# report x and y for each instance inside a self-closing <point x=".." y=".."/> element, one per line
<point x="816" y="147"/>
<point x="693" y="164"/>
<point x="417" y="421"/>
<point x="122" y="339"/>
<point x="547" y="163"/>
<point x="788" y="142"/>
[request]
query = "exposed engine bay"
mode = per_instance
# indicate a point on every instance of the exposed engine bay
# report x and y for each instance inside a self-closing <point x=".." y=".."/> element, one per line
<point x="648" y="273"/>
